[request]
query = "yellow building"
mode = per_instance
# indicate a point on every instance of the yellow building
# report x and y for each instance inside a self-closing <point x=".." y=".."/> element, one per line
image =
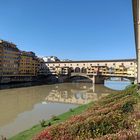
<point x="93" y="70"/>
<point x="9" y="59"/>
<point x="103" y="70"/>
<point x="97" y="70"/>
<point x="28" y="64"/>
<point x="120" y="70"/>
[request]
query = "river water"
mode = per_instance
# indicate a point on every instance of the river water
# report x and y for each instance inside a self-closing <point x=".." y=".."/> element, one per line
<point x="21" y="108"/>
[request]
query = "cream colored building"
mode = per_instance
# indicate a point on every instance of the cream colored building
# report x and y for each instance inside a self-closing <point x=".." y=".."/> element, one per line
<point x="126" y="67"/>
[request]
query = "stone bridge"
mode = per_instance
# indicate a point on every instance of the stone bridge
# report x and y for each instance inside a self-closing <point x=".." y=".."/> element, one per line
<point x="99" y="79"/>
<point x="96" y="70"/>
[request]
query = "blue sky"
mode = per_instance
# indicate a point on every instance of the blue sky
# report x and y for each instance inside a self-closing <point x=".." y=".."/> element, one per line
<point x="73" y="29"/>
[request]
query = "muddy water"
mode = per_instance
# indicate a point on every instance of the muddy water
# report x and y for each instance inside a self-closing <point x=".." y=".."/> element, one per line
<point x="21" y="108"/>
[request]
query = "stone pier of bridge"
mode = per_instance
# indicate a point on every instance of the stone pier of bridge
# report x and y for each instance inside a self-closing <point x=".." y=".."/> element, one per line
<point x="97" y="80"/>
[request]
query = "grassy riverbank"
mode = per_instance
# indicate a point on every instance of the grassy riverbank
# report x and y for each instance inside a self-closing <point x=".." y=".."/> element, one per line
<point x="28" y="134"/>
<point x="116" y="116"/>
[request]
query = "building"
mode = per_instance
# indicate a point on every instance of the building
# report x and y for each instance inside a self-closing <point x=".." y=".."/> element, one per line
<point x="93" y="70"/>
<point x="42" y="68"/>
<point x="28" y="64"/>
<point x="62" y="71"/>
<point x="9" y="59"/>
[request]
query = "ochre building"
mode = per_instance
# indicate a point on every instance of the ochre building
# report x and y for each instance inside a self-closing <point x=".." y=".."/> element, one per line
<point x="28" y="64"/>
<point x="9" y="59"/>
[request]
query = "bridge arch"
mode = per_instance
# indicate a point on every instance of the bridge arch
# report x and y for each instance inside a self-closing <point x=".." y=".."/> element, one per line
<point x="83" y="70"/>
<point x="80" y="77"/>
<point x="71" y="69"/>
<point x="77" y="70"/>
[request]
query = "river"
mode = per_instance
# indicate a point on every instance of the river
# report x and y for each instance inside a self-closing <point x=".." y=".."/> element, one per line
<point x="21" y="108"/>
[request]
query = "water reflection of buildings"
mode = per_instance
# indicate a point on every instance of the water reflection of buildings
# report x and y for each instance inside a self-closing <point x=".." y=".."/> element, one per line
<point x="77" y="94"/>
<point x="19" y="100"/>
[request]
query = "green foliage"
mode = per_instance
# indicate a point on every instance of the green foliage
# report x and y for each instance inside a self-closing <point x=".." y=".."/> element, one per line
<point x="42" y="123"/>
<point x="71" y="110"/>
<point x="55" y="118"/>
<point x="49" y="123"/>
<point x="128" y="107"/>
<point x="132" y="89"/>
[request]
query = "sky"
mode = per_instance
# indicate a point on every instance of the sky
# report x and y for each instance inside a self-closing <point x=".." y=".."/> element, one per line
<point x="70" y="29"/>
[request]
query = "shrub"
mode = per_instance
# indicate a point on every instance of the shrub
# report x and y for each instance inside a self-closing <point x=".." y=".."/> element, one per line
<point x="44" y="135"/>
<point x="121" y="135"/>
<point x="55" y="118"/>
<point x="128" y="107"/>
<point x="49" y="124"/>
<point x="42" y="123"/>
<point x="71" y="110"/>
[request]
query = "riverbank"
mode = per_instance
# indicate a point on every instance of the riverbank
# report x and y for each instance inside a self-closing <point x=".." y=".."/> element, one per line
<point x="111" y="117"/>
<point x="28" y="134"/>
<point x="115" y="116"/>
<point x="32" y="104"/>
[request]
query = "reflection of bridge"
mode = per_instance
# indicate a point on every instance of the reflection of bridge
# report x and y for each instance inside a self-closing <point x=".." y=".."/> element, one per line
<point x="96" y="71"/>
<point x="77" y="94"/>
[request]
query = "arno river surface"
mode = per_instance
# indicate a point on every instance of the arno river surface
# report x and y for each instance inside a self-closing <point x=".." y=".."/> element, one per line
<point x="21" y="108"/>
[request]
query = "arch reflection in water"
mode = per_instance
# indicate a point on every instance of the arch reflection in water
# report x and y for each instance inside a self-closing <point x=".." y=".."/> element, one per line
<point x="77" y="93"/>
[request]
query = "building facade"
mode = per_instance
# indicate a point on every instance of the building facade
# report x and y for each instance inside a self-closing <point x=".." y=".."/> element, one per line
<point x="9" y="59"/>
<point x="28" y="64"/>
<point x="42" y="68"/>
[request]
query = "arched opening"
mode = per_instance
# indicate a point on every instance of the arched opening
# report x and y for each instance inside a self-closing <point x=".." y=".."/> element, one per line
<point x="83" y="70"/>
<point x="79" y="79"/>
<point x="77" y="70"/>
<point x="71" y="69"/>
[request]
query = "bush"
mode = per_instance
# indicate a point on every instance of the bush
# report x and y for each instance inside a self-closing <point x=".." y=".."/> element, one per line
<point x="49" y="124"/>
<point x="42" y="123"/>
<point x="128" y="107"/>
<point x="55" y="118"/>
<point x="71" y="110"/>
<point x="44" y="135"/>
